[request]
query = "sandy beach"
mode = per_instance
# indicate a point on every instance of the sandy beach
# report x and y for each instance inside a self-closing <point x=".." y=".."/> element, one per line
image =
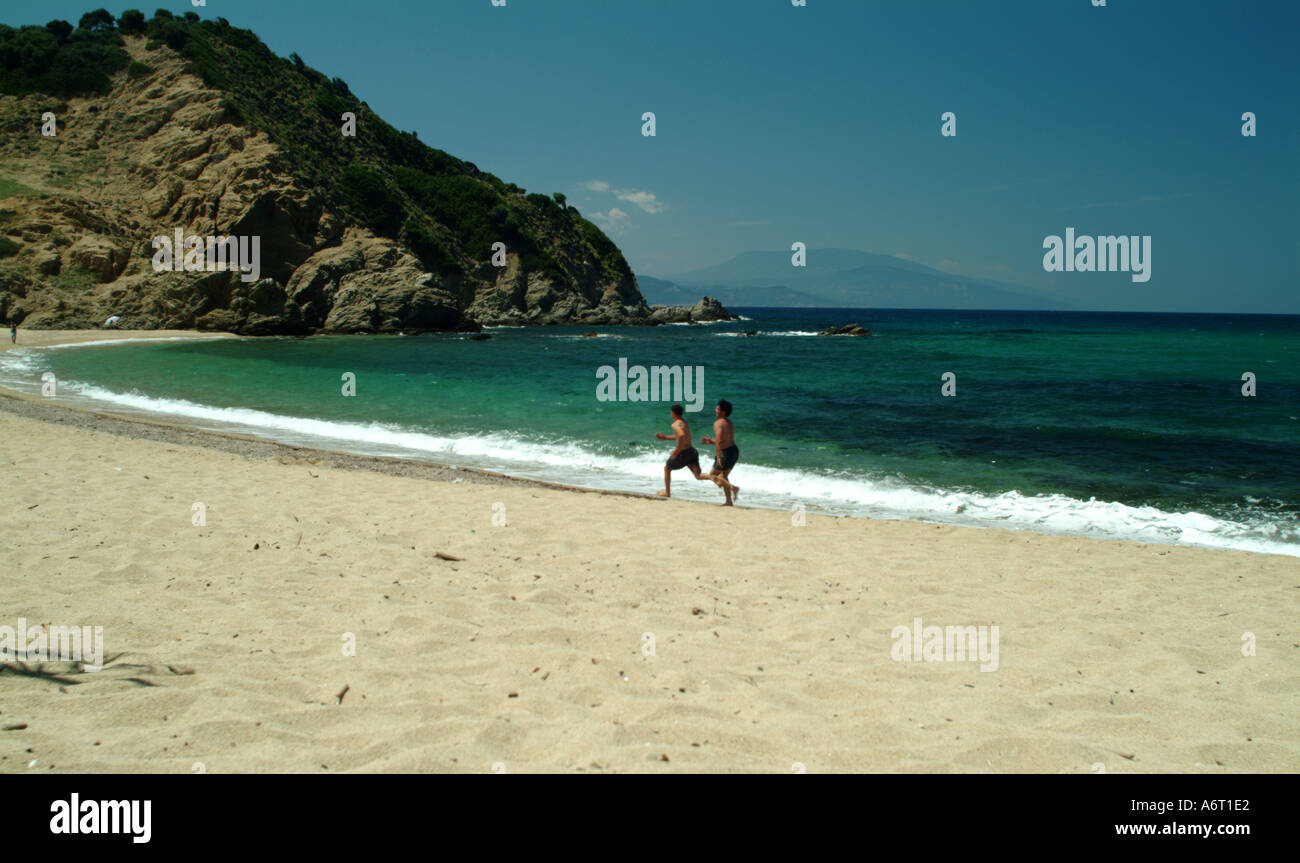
<point x="327" y="617"/>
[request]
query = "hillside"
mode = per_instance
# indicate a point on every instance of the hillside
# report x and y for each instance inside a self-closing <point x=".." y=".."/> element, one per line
<point x="173" y="123"/>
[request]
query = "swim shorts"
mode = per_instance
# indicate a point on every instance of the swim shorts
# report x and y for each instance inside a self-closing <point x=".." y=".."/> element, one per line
<point x="729" y="457"/>
<point x="685" y="458"/>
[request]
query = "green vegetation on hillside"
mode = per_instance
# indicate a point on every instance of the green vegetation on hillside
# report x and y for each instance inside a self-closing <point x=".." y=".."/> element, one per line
<point x="10" y="189"/>
<point x="444" y="209"/>
<point x="61" y="60"/>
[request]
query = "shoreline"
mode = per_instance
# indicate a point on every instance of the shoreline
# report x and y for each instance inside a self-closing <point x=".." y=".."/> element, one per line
<point x="256" y="447"/>
<point x="247" y="446"/>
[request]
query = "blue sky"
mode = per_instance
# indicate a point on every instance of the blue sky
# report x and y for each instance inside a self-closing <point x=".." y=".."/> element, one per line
<point x="822" y="124"/>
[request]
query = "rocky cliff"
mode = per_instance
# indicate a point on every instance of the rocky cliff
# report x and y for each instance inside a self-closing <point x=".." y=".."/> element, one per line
<point x="174" y="124"/>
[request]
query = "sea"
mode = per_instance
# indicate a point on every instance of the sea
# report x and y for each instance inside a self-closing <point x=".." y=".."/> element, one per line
<point x="1179" y="429"/>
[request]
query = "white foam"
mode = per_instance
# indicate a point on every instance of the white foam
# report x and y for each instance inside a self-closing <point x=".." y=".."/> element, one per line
<point x="20" y="361"/>
<point x="19" y="366"/>
<point x="577" y="338"/>
<point x="105" y="342"/>
<point x="779" y="333"/>
<point x="693" y="323"/>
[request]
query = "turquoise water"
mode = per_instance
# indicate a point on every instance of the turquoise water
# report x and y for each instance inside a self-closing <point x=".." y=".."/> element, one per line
<point x="1118" y="425"/>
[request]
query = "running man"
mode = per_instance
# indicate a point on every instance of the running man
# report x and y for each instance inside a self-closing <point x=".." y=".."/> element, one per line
<point x="728" y="453"/>
<point x="683" y="455"/>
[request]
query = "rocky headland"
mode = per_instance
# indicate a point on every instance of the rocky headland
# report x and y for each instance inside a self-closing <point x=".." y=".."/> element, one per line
<point x="115" y="133"/>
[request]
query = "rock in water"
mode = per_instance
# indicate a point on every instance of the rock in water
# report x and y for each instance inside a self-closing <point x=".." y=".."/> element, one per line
<point x="847" y="330"/>
<point x="707" y="309"/>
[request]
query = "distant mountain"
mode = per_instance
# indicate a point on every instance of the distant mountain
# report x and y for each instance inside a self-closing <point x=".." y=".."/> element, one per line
<point x="661" y="292"/>
<point x="841" y="278"/>
<point x="768" y="268"/>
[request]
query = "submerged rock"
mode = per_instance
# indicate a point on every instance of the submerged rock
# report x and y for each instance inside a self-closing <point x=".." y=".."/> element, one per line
<point x="846" y="330"/>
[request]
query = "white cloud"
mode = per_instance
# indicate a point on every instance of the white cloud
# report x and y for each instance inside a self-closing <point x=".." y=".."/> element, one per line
<point x="615" y="221"/>
<point x="645" y="200"/>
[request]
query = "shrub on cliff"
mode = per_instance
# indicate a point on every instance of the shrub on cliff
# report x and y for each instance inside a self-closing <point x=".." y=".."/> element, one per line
<point x="97" y="21"/>
<point x="367" y="195"/>
<point x="60" y="30"/>
<point x="37" y="60"/>
<point x="132" y="21"/>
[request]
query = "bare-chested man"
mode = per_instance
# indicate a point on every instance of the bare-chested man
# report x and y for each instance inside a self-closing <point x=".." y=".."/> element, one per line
<point x="683" y="454"/>
<point x="724" y="441"/>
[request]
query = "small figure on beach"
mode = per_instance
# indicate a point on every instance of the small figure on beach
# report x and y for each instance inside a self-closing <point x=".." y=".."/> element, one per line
<point x="683" y="454"/>
<point x="724" y="441"/>
<point x="13" y="334"/>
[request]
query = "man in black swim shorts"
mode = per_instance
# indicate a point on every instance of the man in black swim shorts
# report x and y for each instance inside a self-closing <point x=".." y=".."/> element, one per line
<point x="683" y="455"/>
<point x="727" y="451"/>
